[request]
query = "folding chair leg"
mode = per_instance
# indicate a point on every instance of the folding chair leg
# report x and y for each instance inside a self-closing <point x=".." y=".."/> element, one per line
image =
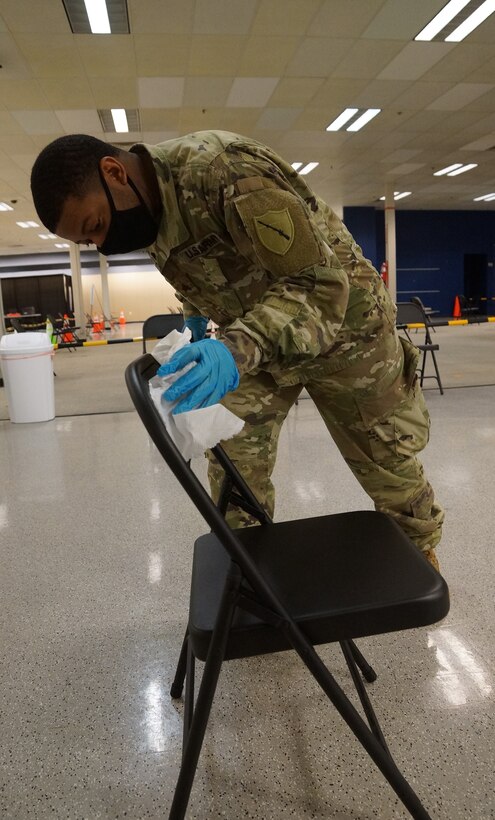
<point x="371" y="744"/>
<point x="211" y="672"/>
<point x="437" y="372"/>
<point x="363" y="695"/>
<point x="180" y="672"/>
<point x="367" y="671"/>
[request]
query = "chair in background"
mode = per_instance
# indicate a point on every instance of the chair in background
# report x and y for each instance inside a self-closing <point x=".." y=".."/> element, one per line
<point x="411" y="313"/>
<point x="289" y="585"/>
<point x="468" y="306"/>
<point x="159" y="325"/>
<point x="17" y="324"/>
<point x="64" y="332"/>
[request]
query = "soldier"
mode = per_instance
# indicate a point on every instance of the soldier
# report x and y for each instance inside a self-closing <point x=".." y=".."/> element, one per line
<point x="247" y="243"/>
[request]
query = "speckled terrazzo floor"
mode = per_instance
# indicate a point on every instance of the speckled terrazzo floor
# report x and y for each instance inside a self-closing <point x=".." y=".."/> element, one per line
<point x="95" y="558"/>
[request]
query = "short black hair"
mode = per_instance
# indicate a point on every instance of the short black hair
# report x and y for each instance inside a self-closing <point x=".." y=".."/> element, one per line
<point x="66" y="167"/>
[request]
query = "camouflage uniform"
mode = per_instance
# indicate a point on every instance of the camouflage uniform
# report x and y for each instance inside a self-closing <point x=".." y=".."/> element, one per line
<point x="248" y="244"/>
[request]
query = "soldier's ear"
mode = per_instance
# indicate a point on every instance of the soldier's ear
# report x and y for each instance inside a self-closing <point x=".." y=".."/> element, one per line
<point x="113" y="170"/>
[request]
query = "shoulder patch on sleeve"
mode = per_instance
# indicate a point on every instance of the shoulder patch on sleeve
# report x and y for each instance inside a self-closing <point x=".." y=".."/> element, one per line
<point x="280" y="231"/>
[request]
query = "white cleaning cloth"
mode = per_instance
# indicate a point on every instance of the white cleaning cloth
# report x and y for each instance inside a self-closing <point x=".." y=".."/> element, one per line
<point x="195" y="431"/>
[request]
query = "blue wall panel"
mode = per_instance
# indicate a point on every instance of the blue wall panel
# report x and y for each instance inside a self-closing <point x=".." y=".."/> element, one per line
<point x="430" y="250"/>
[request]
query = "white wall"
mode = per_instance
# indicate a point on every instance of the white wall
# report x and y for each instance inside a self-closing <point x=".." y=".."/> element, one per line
<point x="139" y="294"/>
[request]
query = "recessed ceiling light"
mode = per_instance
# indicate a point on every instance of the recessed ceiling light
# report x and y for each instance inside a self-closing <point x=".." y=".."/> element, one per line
<point x="309" y="167"/>
<point x="97" y="17"/>
<point x="342" y="119"/>
<point x="5" y="207"/>
<point x="446" y="170"/>
<point x="441" y="19"/>
<point x="296" y="165"/>
<point x="28" y="224"/>
<point x="120" y="120"/>
<point x="473" y="21"/>
<point x="487" y="197"/>
<point x="398" y="195"/>
<point x="363" y="119"/>
<point x="463" y="169"/>
<point x="62" y="245"/>
<point x="47" y="236"/>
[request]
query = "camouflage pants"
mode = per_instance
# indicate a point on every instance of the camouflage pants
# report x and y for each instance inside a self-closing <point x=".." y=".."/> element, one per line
<point x="379" y="425"/>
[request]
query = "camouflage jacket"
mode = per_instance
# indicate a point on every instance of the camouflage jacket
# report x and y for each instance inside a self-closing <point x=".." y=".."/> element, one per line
<point x="246" y="242"/>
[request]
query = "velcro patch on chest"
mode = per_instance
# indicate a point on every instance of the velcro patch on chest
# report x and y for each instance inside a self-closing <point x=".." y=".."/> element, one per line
<point x="280" y="232"/>
<point x="200" y="248"/>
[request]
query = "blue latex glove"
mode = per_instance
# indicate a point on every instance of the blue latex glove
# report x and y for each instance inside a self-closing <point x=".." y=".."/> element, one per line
<point x="197" y="325"/>
<point x="214" y="375"/>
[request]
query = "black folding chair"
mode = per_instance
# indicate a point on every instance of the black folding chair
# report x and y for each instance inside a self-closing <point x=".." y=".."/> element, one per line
<point x="159" y="325"/>
<point x="289" y="585"/>
<point x="411" y="313"/>
<point x="65" y="333"/>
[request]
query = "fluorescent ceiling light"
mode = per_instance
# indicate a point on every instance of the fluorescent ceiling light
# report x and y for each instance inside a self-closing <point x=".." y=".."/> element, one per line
<point x="446" y="170"/>
<point x="98" y="16"/>
<point x="463" y="169"/>
<point x="363" y="119"/>
<point x="473" y="21"/>
<point x="120" y="120"/>
<point x="441" y="19"/>
<point x="27" y="224"/>
<point x="5" y="207"/>
<point x="342" y="119"/>
<point x="488" y="197"/>
<point x="62" y="245"/>
<point x="47" y="236"/>
<point x="398" y="195"/>
<point x="309" y="167"/>
<point x="296" y="165"/>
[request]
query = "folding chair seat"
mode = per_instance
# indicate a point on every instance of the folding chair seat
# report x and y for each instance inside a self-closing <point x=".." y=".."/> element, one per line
<point x="412" y="313"/>
<point x="289" y="585"/>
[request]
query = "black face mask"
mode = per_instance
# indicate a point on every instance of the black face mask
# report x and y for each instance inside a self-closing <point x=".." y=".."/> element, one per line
<point x="129" y="230"/>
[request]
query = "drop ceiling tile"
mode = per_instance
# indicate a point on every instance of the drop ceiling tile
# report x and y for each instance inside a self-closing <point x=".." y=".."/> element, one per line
<point x="278" y="118"/>
<point x="9" y="125"/>
<point x="484" y="104"/>
<point x="401" y="19"/>
<point x="21" y="17"/>
<point x="14" y="65"/>
<point x="215" y="56"/>
<point x="459" y="63"/>
<point x="266" y="56"/>
<point x="114" y="92"/>
<point x="419" y="94"/>
<point x="296" y="91"/>
<point x="284" y="16"/>
<point x="380" y="93"/>
<point x="414" y="60"/>
<point x="125" y="139"/>
<point x="159" y="119"/>
<point x="485" y="143"/>
<point x="240" y="120"/>
<point x="317" y="57"/>
<point x="200" y="119"/>
<point x="347" y="19"/>
<point x="160" y="92"/>
<point x="25" y="161"/>
<point x="224" y="16"/>
<point x="484" y="73"/>
<point x="62" y="92"/>
<point x="336" y="94"/>
<point x="17" y="144"/>
<point x="37" y="122"/>
<point x="60" y="59"/>
<point x="459" y="96"/>
<point x="159" y="55"/>
<point x="200" y="92"/>
<point x="21" y="94"/>
<point x="106" y="55"/>
<point x="401" y="155"/>
<point x="366" y="58"/>
<point x="406" y="168"/>
<point x="249" y="92"/>
<point x="151" y="16"/>
<point x="79" y="121"/>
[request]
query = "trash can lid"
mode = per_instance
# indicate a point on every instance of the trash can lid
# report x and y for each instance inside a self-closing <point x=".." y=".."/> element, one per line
<point x="25" y="343"/>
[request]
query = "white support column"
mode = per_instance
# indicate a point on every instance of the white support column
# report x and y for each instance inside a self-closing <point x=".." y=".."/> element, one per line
<point x="75" y="266"/>
<point x="105" y="293"/>
<point x="2" y="312"/>
<point x="390" y="250"/>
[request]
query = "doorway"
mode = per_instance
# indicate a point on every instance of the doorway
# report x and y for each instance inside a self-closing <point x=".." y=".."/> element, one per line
<point x="476" y="278"/>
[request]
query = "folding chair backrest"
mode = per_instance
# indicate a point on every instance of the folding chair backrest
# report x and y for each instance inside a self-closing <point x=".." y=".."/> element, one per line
<point x="159" y="325"/>
<point x="137" y="375"/>
<point x="412" y="313"/>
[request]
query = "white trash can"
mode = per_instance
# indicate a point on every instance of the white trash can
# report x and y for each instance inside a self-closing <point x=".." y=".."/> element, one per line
<point x="27" y="371"/>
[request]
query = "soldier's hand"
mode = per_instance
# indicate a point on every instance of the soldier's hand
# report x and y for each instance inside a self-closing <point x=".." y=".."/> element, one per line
<point x="214" y="374"/>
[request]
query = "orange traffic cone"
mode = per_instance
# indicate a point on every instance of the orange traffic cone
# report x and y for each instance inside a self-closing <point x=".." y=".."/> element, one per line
<point x="457" y="313"/>
<point x="122" y="318"/>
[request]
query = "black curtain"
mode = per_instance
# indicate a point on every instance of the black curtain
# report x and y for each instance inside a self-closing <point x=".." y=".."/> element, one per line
<point x="37" y="294"/>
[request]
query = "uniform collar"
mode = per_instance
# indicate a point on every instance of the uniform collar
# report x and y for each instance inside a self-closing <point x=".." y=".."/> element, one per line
<point x="172" y="230"/>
